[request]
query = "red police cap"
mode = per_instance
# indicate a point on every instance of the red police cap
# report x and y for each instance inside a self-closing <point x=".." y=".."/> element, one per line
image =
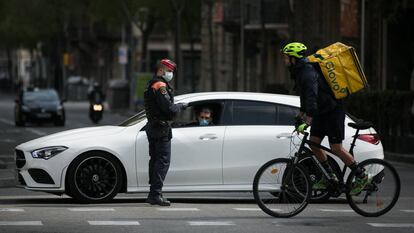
<point x="169" y="64"/>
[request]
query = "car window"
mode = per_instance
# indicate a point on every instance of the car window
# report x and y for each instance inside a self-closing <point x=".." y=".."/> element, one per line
<point x="43" y="96"/>
<point x="253" y="113"/>
<point x="286" y="114"/>
<point x="189" y="117"/>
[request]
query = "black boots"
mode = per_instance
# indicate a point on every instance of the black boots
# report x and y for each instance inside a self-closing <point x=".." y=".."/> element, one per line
<point x="158" y="200"/>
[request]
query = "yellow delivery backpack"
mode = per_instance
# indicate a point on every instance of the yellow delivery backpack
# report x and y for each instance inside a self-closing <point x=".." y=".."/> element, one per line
<point x="341" y="68"/>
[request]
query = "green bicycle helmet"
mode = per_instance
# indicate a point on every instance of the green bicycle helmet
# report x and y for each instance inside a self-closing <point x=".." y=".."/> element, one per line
<point x="294" y="49"/>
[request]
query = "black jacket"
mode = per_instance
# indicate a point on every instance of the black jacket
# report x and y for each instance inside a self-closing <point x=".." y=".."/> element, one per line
<point x="159" y="107"/>
<point x="159" y="101"/>
<point x="316" y="97"/>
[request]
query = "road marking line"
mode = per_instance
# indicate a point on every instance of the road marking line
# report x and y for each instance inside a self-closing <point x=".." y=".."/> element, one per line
<point x="408" y="211"/>
<point x="21" y="223"/>
<point x="114" y="223"/>
<point x="8" y="122"/>
<point x="247" y="209"/>
<point x="11" y="210"/>
<point x="91" y="209"/>
<point x="401" y="225"/>
<point x="178" y="209"/>
<point x="336" y="210"/>
<point x="37" y="132"/>
<point x="197" y="223"/>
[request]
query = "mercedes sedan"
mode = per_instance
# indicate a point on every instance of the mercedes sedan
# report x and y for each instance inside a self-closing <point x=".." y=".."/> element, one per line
<point x="94" y="164"/>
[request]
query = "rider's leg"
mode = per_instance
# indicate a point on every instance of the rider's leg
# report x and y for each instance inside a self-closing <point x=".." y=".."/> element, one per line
<point x="320" y="154"/>
<point x="347" y="158"/>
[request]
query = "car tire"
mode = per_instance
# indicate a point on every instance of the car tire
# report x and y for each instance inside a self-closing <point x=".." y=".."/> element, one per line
<point x="60" y="122"/>
<point x="94" y="177"/>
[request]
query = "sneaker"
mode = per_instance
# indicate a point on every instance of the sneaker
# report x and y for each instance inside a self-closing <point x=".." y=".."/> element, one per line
<point x="359" y="184"/>
<point x="323" y="183"/>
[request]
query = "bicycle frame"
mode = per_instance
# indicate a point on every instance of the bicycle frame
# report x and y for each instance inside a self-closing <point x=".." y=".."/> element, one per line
<point x="306" y="141"/>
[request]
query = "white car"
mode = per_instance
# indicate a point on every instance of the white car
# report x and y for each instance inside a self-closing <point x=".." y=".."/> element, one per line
<point x="94" y="164"/>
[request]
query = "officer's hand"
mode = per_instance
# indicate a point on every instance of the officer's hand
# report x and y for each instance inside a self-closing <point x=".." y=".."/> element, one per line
<point x="301" y="128"/>
<point x="183" y="105"/>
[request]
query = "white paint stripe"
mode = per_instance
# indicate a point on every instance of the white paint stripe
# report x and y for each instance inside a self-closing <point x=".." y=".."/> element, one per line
<point x="114" y="223"/>
<point x="408" y="211"/>
<point x="395" y="225"/>
<point x="21" y="223"/>
<point x="211" y="224"/>
<point x="11" y="210"/>
<point x="8" y="122"/>
<point x="37" y="132"/>
<point x="248" y="209"/>
<point x="178" y="209"/>
<point x="336" y="210"/>
<point x="91" y="209"/>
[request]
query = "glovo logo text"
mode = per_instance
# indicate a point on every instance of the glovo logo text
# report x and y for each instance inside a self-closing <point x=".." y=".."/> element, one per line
<point x="330" y="67"/>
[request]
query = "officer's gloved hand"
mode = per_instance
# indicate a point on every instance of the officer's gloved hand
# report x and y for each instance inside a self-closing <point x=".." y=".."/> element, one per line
<point x="183" y="105"/>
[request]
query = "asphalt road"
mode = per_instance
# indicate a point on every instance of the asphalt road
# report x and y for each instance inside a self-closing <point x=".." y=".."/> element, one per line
<point x="27" y="211"/>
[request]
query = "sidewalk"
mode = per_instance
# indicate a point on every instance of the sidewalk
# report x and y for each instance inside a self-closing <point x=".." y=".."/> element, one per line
<point x="406" y="158"/>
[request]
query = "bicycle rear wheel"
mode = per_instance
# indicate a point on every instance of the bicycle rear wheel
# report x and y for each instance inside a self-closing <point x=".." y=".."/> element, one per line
<point x="282" y="189"/>
<point x="381" y="192"/>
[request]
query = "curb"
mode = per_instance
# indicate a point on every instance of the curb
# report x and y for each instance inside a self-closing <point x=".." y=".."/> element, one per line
<point x="406" y="158"/>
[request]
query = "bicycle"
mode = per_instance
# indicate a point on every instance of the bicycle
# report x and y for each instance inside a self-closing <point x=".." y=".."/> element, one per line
<point x="282" y="187"/>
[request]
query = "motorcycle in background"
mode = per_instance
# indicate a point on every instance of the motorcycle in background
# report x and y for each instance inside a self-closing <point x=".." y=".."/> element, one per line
<point x="96" y="107"/>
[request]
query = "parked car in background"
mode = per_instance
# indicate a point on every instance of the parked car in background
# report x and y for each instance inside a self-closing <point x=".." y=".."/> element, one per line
<point x="39" y="106"/>
<point x="94" y="164"/>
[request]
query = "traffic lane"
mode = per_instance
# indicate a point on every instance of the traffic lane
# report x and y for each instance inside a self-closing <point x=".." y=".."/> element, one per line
<point x="201" y="217"/>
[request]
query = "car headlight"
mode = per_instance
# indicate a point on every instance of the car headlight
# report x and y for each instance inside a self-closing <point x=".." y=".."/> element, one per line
<point x="48" y="152"/>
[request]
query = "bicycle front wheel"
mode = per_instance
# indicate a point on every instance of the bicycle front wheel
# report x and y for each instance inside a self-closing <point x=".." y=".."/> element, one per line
<point x="381" y="191"/>
<point x="282" y="189"/>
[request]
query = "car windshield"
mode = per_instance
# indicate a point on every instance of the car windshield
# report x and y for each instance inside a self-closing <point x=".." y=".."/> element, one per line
<point x="134" y="119"/>
<point x="43" y="96"/>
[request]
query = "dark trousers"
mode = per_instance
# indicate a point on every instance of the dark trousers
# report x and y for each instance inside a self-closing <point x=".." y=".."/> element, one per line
<point x="160" y="156"/>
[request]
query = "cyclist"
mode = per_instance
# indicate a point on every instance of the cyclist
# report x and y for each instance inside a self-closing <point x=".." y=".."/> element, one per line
<point x="319" y="108"/>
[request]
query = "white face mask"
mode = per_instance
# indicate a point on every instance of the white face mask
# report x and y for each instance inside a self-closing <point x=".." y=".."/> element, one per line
<point x="168" y="76"/>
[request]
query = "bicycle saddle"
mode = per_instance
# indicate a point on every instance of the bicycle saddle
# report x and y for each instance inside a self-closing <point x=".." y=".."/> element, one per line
<point x="360" y="125"/>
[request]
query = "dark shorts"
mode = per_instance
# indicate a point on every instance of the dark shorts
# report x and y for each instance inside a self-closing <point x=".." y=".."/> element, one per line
<point x="331" y="124"/>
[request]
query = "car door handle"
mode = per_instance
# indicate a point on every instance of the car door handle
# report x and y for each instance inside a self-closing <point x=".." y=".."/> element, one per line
<point x="208" y="136"/>
<point x="284" y="136"/>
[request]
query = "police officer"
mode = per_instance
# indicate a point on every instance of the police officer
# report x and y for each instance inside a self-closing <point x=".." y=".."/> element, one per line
<point x="160" y="109"/>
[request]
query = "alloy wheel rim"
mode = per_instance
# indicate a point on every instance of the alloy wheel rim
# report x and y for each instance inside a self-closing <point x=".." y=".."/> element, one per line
<point x="96" y="178"/>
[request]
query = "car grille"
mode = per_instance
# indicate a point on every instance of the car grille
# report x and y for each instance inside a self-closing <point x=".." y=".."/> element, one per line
<point x="20" y="159"/>
<point x="40" y="176"/>
<point x="21" y="180"/>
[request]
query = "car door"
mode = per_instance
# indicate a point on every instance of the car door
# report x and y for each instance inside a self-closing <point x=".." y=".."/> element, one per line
<point x="256" y="133"/>
<point x="196" y="153"/>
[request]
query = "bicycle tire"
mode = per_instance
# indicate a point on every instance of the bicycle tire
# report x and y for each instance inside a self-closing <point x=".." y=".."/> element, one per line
<point x="267" y="194"/>
<point x="381" y="174"/>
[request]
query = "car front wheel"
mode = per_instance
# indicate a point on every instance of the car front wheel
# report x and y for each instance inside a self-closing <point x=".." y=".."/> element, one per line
<point x="94" y="178"/>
